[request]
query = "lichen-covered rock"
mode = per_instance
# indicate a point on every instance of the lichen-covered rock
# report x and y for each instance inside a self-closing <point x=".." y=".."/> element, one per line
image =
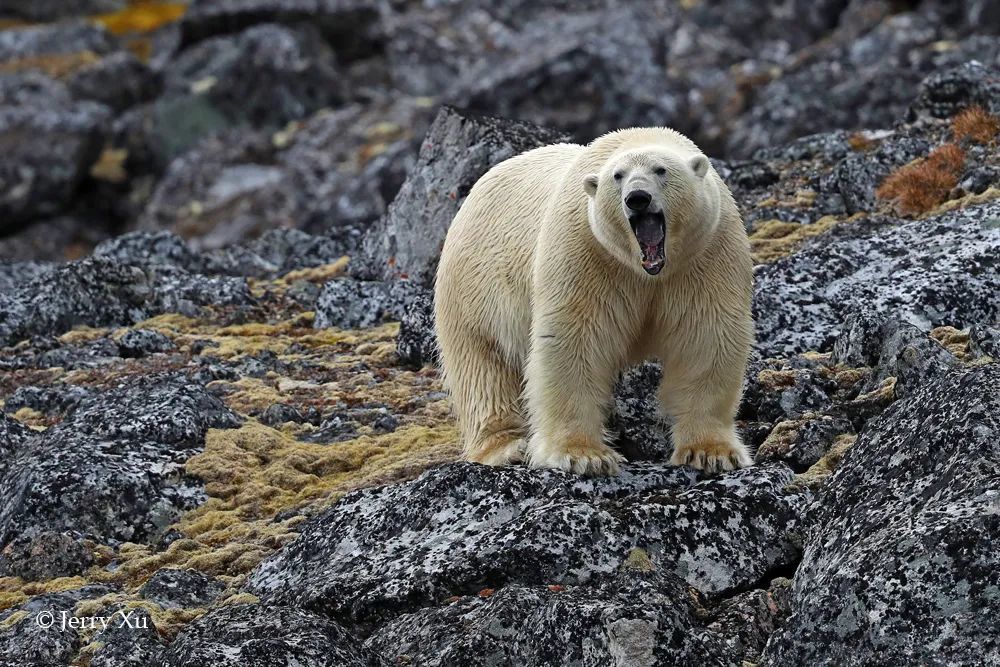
<point x="250" y="634"/>
<point x="900" y="564"/>
<point x="143" y="342"/>
<point x="642" y="433"/>
<point x="50" y="143"/>
<point x="113" y="469"/>
<point x="985" y="340"/>
<point x="940" y="270"/>
<point x="65" y="38"/>
<point x="119" y="81"/>
<point x="417" y="343"/>
<point x="636" y="617"/>
<point x="181" y="589"/>
<point x="263" y="77"/>
<point x="380" y="553"/>
<point x="47" y="555"/>
<point x="130" y="640"/>
<point x="351" y="26"/>
<point x="26" y="641"/>
<point x="946" y="92"/>
<point x="49" y="10"/>
<point x="458" y="149"/>
<point x="347" y="303"/>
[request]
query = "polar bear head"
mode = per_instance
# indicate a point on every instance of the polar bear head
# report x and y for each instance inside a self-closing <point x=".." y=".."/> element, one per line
<point x="653" y="206"/>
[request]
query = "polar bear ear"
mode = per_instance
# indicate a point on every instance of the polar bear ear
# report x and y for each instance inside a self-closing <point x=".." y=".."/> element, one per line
<point x="590" y="184"/>
<point x="699" y="165"/>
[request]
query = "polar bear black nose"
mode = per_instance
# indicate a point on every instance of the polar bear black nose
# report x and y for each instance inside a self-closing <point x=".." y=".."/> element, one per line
<point x="638" y="200"/>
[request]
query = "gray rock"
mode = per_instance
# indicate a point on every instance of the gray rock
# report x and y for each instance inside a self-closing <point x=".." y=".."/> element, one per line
<point x="417" y="344"/>
<point x="899" y="564"/>
<point x="940" y="271"/>
<point x="346" y="303"/>
<point x="642" y="433"/>
<point x="119" y="81"/>
<point x="380" y="553"/>
<point x="28" y="643"/>
<point x="350" y="26"/>
<point x="632" y="618"/>
<point x="859" y="174"/>
<point x="457" y="150"/>
<point x="985" y="340"/>
<point x="945" y="93"/>
<point x="131" y="639"/>
<point x="247" y="634"/>
<point x="51" y="142"/>
<point x="263" y="77"/>
<point x="64" y="38"/>
<point x="114" y="468"/>
<point x="92" y="291"/>
<point x="181" y="589"/>
<point x="137" y="343"/>
<point x="47" y="555"/>
<point x="49" y="10"/>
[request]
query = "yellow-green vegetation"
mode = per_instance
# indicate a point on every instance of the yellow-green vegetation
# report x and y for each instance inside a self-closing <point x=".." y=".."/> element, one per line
<point x="819" y="471"/>
<point x="773" y="239"/>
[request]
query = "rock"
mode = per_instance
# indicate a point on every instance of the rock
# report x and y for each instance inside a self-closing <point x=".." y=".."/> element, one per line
<point x="277" y="414"/>
<point x="27" y="45"/>
<point x="946" y="92"/>
<point x="137" y="343"/>
<point x="49" y="10"/>
<point x="801" y="443"/>
<point x="13" y="435"/>
<point x="642" y="434"/>
<point x="380" y="553"/>
<point x="46" y="556"/>
<point x="51" y="142"/>
<point x="899" y="566"/>
<point x="857" y="176"/>
<point x="417" y="344"/>
<point x="940" y="271"/>
<point x="985" y="340"/>
<point x="350" y="163"/>
<point x="574" y="72"/>
<point x="181" y="589"/>
<point x="151" y="248"/>
<point x="263" y="77"/>
<point x="346" y="303"/>
<point x="458" y="149"/>
<point x="58" y="239"/>
<point x="131" y="640"/>
<point x="101" y="292"/>
<point x="633" y="618"/>
<point x="249" y="634"/>
<point x="113" y="469"/>
<point x="745" y="622"/>
<point x="119" y="81"/>
<point x="344" y="424"/>
<point x="350" y="26"/>
<point x="92" y="291"/>
<point x="33" y="644"/>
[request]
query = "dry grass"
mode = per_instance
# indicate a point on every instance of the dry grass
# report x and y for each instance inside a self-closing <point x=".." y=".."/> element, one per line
<point x="921" y="185"/>
<point x="975" y="124"/>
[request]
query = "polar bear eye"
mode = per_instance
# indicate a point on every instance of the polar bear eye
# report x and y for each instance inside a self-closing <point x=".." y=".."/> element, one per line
<point x="618" y="176"/>
<point x="660" y="171"/>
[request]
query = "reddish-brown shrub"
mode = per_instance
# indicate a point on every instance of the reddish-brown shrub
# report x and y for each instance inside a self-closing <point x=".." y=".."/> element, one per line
<point x="921" y="185"/>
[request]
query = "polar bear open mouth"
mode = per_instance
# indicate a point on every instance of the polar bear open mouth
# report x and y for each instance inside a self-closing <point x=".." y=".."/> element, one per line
<point x="651" y="232"/>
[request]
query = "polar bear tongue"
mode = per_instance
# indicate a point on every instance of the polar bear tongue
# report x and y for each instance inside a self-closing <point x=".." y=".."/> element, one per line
<point x="650" y="232"/>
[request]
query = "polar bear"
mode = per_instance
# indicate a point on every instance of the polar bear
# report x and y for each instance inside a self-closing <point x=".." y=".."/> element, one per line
<point x="567" y="264"/>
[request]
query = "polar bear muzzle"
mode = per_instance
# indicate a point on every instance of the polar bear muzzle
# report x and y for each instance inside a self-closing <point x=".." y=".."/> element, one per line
<point x="650" y="231"/>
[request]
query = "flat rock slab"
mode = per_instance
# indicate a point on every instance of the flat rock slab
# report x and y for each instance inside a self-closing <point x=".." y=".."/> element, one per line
<point x="902" y="560"/>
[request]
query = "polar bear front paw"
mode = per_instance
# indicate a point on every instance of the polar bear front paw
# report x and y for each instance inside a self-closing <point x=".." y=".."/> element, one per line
<point x="712" y="455"/>
<point x="577" y="454"/>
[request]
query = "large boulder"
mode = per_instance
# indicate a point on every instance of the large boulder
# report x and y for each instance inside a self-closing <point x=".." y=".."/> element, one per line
<point x="263" y="77"/>
<point x="900" y="564"/>
<point x="383" y="552"/>
<point x="458" y="149"/>
<point x="249" y="634"/>
<point x="940" y="270"/>
<point x="50" y="143"/>
<point x="113" y="469"/>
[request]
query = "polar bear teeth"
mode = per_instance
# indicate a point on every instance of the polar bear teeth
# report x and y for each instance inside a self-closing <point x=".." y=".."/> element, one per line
<point x="650" y="232"/>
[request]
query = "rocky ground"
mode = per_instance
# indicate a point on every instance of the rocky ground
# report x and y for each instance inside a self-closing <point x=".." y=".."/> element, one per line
<point x="221" y="417"/>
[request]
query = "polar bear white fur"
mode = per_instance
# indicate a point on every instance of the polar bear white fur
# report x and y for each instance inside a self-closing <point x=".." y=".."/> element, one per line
<point x="550" y="283"/>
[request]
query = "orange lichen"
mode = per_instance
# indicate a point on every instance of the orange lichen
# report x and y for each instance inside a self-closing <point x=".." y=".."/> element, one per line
<point x="921" y="185"/>
<point x="141" y="17"/>
<point x="975" y="124"/>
